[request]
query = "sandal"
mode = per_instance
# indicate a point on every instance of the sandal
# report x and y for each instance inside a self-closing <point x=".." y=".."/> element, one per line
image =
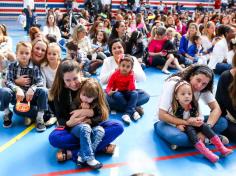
<point x="63" y="155"/>
<point x="110" y="149"/>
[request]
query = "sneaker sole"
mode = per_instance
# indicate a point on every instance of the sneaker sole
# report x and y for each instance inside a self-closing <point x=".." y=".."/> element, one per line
<point x="9" y="126"/>
<point x="41" y="130"/>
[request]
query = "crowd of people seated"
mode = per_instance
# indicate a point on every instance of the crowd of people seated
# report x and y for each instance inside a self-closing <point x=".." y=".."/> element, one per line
<point x="197" y="45"/>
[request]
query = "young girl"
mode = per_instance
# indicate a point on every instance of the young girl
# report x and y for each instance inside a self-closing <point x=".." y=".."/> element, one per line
<point x="89" y="133"/>
<point x="185" y="106"/>
<point x="49" y="68"/>
<point x="121" y="86"/>
<point x="195" y="50"/>
<point x="99" y="45"/>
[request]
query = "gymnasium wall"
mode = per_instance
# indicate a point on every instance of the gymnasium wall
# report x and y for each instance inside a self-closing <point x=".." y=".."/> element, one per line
<point x="12" y="8"/>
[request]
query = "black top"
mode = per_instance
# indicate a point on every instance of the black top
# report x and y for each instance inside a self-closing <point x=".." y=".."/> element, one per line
<point x="222" y="94"/>
<point x="180" y="111"/>
<point x="63" y="108"/>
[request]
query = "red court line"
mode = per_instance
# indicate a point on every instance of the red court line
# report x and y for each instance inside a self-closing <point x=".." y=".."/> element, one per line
<point x="107" y="166"/>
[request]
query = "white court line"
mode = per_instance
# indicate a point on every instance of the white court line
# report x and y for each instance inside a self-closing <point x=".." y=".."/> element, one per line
<point x="115" y="170"/>
<point x="117" y="152"/>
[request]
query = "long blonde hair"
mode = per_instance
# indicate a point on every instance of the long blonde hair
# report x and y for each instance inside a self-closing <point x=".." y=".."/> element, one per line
<point x="91" y="88"/>
<point x="56" y="46"/>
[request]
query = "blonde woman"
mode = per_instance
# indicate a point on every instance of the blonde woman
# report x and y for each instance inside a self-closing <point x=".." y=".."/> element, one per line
<point x="6" y="54"/>
<point x="51" y="28"/>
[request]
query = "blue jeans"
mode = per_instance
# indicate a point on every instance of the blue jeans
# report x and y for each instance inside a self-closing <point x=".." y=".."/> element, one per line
<point x="89" y="139"/>
<point x="143" y="98"/>
<point x="127" y="97"/>
<point x="40" y="98"/>
<point x="173" y="135"/>
<point x="189" y="61"/>
<point x="221" y="67"/>
<point x="230" y="131"/>
<point x="63" y="139"/>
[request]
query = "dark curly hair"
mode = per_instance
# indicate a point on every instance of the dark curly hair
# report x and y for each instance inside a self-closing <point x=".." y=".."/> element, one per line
<point x="196" y="69"/>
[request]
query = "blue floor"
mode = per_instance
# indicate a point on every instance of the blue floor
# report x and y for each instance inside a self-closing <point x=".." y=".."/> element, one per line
<point x="138" y="148"/>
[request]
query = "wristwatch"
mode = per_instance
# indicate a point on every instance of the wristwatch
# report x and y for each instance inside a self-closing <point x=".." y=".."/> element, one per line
<point x="209" y="125"/>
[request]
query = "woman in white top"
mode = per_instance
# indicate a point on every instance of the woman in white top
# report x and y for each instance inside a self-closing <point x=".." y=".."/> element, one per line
<point x="51" y="27"/>
<point x="208" y="42"/>
<point x="201" y="79"/>
<point x="110" y="64"/>
<point x="220" y="51"/>
<point x="6" y="54"/>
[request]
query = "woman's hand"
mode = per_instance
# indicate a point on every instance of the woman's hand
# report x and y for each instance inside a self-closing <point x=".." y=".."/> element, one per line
<point x="75" y="121"/>
<point x="100" y="49"/>
<point x="181" y="127"/>
<point x="85" y="105"/>
<point x="195" y="121"/>
<point x="23" y="80"/>
<point x="82" y="113"/>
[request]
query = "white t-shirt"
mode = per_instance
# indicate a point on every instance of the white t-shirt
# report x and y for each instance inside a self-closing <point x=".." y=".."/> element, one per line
<point x="48" y="75"/>
<point x="29" y="3"/>
<point x="219" y="53"/>
<point x="109" y="66"/>
<point x="166" y="97"/>
<point x="104" y="2"/>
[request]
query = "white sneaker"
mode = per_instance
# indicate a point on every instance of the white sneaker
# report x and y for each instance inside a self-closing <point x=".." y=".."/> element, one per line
<point x="126" y="118"/>
<point x="136" y="116"/>
<point x="51" y="121"/>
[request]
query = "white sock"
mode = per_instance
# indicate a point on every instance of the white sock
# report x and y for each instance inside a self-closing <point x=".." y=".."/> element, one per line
<point x="92" y="162"/>
<point x="39" y="117"/>
<point x="6" y="111"/>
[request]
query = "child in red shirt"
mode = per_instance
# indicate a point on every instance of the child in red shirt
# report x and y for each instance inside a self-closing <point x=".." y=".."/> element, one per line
<point x="121" y="86"/>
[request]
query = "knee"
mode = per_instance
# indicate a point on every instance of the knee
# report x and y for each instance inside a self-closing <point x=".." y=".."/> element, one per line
<point x="180" y="139"/>
<point x="86" y="128"/>
<point x="41" y="91"/>
<point x="6" y="92"/>
<point x="117" y="94"/>
<point x="53" y="139"/>
<point x="99" y="130"/>
<point x="119" y="128"/>
<point x="221" y="125"/>
<point x="134" y="94"/>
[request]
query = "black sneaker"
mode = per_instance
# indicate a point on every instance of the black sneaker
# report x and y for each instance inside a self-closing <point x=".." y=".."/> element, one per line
<point x="40" y="127"/>
<point x="7" y="120"/>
